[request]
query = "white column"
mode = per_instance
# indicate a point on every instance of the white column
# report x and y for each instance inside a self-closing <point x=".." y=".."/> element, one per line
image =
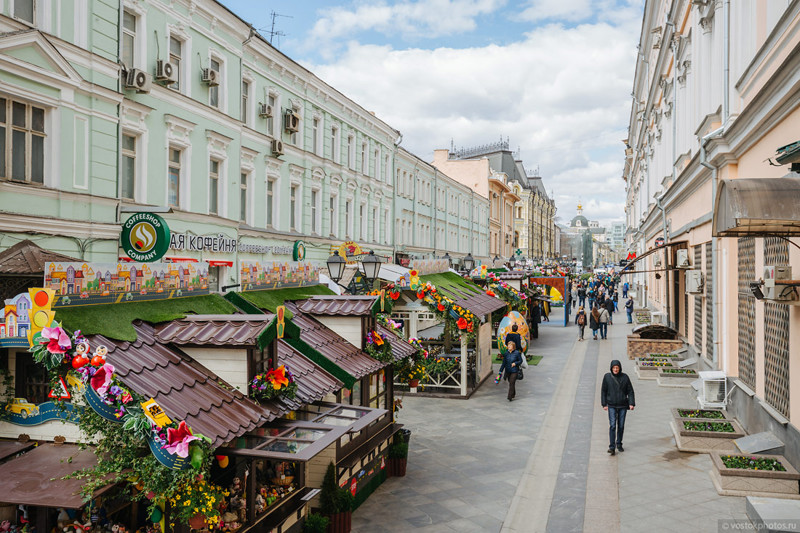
<point x="464" y="343"/>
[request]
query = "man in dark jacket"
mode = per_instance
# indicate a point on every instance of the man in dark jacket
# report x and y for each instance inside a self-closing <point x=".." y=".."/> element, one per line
<point x="616" y="397"/>
<point x="609" y="305"/>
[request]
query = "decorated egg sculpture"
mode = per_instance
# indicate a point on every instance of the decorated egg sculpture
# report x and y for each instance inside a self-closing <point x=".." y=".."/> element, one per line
<point x="504" y="329"/>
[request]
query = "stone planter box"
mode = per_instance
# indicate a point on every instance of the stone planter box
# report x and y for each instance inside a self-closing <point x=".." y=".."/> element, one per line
<point x="639" y="347"/>
<point x="766" y="483"/>
<point x="670" y="356"/>
<point x="689" y="440"/>
<point x="676" y="412"/>
<point x="669" y="379"/>
<point x="645" y="371"/>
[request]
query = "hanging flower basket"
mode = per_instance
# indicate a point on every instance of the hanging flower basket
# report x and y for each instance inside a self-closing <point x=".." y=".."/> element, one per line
<point x="273" y="384"/>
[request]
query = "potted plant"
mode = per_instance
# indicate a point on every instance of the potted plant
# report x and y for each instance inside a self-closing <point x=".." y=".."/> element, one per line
<point x="335" y="503"/>
<point x="197" y="504"/>
<point x="415" y="373"/>
<point x="315" y="523"/>
<point x="398" y="458"/>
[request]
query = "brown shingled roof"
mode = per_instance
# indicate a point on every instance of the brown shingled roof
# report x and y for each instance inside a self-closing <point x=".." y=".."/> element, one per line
<point x="26" y="258"/>
<point x="333" y="346"/>
<point x="479" y="303"/>
<point x="313" y="383"/>
<point x="185" y="389"/>
<point x="228" y="330"/>
<point x="338" y="305"/>
<point x="400" y="347"/>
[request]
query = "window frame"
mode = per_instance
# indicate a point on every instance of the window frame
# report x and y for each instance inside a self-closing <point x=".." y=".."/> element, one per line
<point x="132" y="35"/>
<point x="15" y="16"/>
<point x="272" y="101"/>
<point x="10" y="128"/>
<point x="333" y="212"/>
<point x="244" y="195"/>
<point x="171" y="164"/>
<point x="244" y="111"/>
<point x="351" y="152"/>
<point x="132" y="154"/>
<point x="217" y="89"/>
<point x="271" y="194"/>
<point x="336" y="144"/>
<point x="294" y="205"/>
<point x="315" y="211"/>
<point x="213" y="185"/>
<point x="349" y="218"/>
<point x="177" y="61"/>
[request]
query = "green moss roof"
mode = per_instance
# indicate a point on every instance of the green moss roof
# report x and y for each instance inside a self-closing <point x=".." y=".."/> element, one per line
<point x="270" y="300"/>
<point x="446" y="281"/>
<point x="114" y="320"/>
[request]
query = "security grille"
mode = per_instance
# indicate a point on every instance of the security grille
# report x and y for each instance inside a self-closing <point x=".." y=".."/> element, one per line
<point x="747" y="311"/>
<point x="709" y="295"/>
<point x="686" y="315"/>
<point x="698" y="305"/>
<point x="776" y="336"/>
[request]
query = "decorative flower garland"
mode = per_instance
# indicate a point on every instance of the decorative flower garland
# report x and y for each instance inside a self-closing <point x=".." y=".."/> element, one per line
<point x="445" y="307"/>
<point x="378" y="348"/>
<point x="276" y="383"/>
<point x="391" y="291"/>
<point x="500" y="289"/>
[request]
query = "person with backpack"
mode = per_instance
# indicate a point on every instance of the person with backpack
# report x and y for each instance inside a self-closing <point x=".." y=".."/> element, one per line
<point x="580" y="320"/>
<point x="629" y="309"/>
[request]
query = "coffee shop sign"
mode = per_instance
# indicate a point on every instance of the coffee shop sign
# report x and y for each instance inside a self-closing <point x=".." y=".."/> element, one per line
<point x="199" y="243"/>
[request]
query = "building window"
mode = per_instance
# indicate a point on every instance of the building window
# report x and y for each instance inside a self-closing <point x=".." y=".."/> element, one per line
<point x="348" y="213"/>
<point x="213" y="187"/>
<point x="387" y="223"/>
<point x="175" y="55"/>
<point x="293" y="137"/>
<point x="376" y="225"/>
<point x="270" y="201"/>
<point x="214" y="90"/>
<point x="315" y="135"/>
<point x="332" y="212"/>
<point x="24" y="10"/>
<point x="335" y="144"/>
<point x="245" y="99"/>
<point x="314" y="211"/>
<point x="271" y="120"/>
<point x="128" y="38"/>
<point x="21" y="141"/>
<point x="174" y="181"/>
<point x="362" y="221"/>
<point x="128" y="181"/>
<point x="351" y="152"/>
<point x="376" y="164"/>
<point x="243" y="198"/>
<point x="386" y="171"/>
<point x="293" y="208"/>
<point x="364" y="162"/>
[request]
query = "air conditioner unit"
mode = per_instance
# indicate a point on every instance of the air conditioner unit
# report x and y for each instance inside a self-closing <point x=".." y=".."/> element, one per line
<point x="694" y="282"/>
<point x="139" y="80"/>
<point x="166" y="72"/>
<point x="713" y="393"/>
<point x="291" y="121"/>
<point x="211" y="77"/>
<point x="657" y="260"/>
<point x="277" y="147"/>
<point x="773" y="288"/>
<point x="682" y="259"/>
<point x="264" y="110"/>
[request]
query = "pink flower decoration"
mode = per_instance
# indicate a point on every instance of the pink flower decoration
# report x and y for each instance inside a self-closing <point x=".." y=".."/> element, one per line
<point x="59" y="341"/>
<point x="179" y="440"/>
<point x="101" y="380"/>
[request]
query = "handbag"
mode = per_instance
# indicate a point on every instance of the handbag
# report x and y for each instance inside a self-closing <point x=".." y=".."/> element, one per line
<point x="520" y="375"/>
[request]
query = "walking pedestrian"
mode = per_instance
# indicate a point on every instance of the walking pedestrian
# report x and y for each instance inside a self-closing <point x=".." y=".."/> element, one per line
<point x="625" y="287"/>
<point x="536" y="318"/>
<point x="591" y="295"/>
<point x="594" y="321"/>
<point x="609" y="304"/>
<point x="545" y="318"/>
<point x="514" y="337"/>
<point x="512" y="360"/>
<point x="580" y="320"/>
<point x="616" y="397"/>
<point x="582" y="295"/>
<point x="629" y="309"/>
<point x="602" y="320"/>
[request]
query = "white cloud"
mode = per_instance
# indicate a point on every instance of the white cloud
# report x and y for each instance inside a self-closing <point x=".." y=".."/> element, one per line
<point x="561" y="94"/>
<point x="567" y="10"/>
<point x="409" y="19"/>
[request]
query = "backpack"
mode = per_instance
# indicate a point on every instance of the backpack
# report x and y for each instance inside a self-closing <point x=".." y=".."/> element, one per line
<point x="582" y="319"/>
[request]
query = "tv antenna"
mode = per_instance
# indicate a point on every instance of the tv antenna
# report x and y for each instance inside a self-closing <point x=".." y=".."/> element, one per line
<point x="272" y="32"/>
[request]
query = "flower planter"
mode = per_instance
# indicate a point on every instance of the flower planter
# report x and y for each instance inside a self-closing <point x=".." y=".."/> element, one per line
<point x="650" y="369"/>
<point x="198" y="521"/>
<point x="664" y="356"/>
<point x="340" y="522"/>
<point x="700" y="414"/>
<point x="413" y="383"/>
<point x="673" y="379"/>
<point x="747" y="482"/>
<point x="703" y="441"/>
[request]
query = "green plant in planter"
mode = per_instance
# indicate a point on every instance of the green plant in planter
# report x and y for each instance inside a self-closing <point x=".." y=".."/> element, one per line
<point x="719" y="427"/>
<point x="700" y="413"/>
<point x="679" y="371"/>
<point x="398" y="450"/>
<point x="752" y="463"/>
<point x="316" y="523"/>
<point x="332" y="498"/>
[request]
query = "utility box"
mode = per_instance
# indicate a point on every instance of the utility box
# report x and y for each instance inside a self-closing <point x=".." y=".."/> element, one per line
<point x="682" y="258"/>
<point x="694" y="282"/>
<point x="773" y="288"/>
<point x="713" y="393"/>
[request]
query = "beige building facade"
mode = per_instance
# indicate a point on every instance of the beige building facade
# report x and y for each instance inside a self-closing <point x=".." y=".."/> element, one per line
<point x="717" y="108"/>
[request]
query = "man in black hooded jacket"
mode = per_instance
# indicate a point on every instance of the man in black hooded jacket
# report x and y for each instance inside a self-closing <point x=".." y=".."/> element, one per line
<point x="616" y="397"/>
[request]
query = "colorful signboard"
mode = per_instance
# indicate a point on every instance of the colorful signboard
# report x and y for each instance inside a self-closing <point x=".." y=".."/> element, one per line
<point x="350" y="250"/>
<point x="101" y="283"/>
<point x="145" y="237"/>
<point x="299" y="251"/>
<point x="429" y="266"/>
<point x="202" y="243"/>
<point x="255" y="275"/>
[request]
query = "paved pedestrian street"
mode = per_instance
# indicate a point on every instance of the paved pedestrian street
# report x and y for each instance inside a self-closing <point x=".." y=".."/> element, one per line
<point x="540" y="463"/>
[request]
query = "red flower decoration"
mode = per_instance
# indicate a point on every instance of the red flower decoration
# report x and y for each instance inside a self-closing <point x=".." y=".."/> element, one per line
<point x="395" y="295"/>
<point x="490" y="293"/>
<point x="461" y="323"/>
<point x="470" y="327"/>
<point x="420" y="295"/>
<point x="440" y="307"/>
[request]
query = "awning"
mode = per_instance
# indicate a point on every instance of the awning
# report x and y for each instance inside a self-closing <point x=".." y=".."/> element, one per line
<point x="34" y="478"/>
<point x="220" y="263"/>
<point x="180" y="259"/>
<point x="391" y="272"/>
<point x="628" y="269"/>
<point x="757" y="207"/>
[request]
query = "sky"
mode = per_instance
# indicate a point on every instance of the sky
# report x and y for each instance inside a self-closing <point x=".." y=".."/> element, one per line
<point x="554" y="77"/>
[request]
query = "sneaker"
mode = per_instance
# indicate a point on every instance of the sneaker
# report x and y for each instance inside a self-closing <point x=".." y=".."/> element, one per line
<point x="611" y="451"/>
<point x="620" y="448"/>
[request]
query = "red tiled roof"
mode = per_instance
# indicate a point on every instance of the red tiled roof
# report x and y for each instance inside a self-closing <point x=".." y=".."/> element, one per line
<point x="185" y="389"/>
<point x="331" y="345"/>
<point x="26" y="258"/>
<point x="400" y="347"/>
<point x="313" y="383"/>
<point x="338" y="305"/>
<point x="227" y="330"/>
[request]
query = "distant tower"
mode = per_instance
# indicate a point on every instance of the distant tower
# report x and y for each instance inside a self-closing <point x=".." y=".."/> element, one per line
<point x="580" y="209"/>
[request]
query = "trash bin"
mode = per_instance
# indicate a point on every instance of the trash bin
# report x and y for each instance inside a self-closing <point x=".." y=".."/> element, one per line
<point x="404" y="435"/>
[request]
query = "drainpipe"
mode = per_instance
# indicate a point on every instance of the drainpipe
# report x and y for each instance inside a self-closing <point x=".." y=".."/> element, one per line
<point x="394" y="194"/>
<point x="666" y="251"/>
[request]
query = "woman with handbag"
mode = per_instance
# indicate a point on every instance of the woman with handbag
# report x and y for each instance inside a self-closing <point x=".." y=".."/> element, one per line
<point x="512" y="363"/>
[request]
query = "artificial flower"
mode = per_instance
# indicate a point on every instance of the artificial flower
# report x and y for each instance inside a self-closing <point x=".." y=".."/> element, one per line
<point x="278" y="377"/>
<point x="378" y="339"/>
<point x="59" y="340"/>
<point x="179" y="439"/>
<point x="101" y="380"/>
<point x="490" y="293"/>
<point x="440" y="307"/>
<point x="461" y="323"/>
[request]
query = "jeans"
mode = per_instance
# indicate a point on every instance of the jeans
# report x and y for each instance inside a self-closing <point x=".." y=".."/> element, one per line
<point x="603" y="330"/>
<point x="581" y="301"/>
<point x="591" y="303"/>
<point x="512" y="385"/>
<point x="630" y="316"/>
<point x="616" y="425"/>
<point x="582" y="328"/>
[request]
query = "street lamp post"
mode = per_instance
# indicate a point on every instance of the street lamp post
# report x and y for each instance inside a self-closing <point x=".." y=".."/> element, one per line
<point x="371" y="266"/>
<point x="336" y="265"/>
<point x="469" y="262"/>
